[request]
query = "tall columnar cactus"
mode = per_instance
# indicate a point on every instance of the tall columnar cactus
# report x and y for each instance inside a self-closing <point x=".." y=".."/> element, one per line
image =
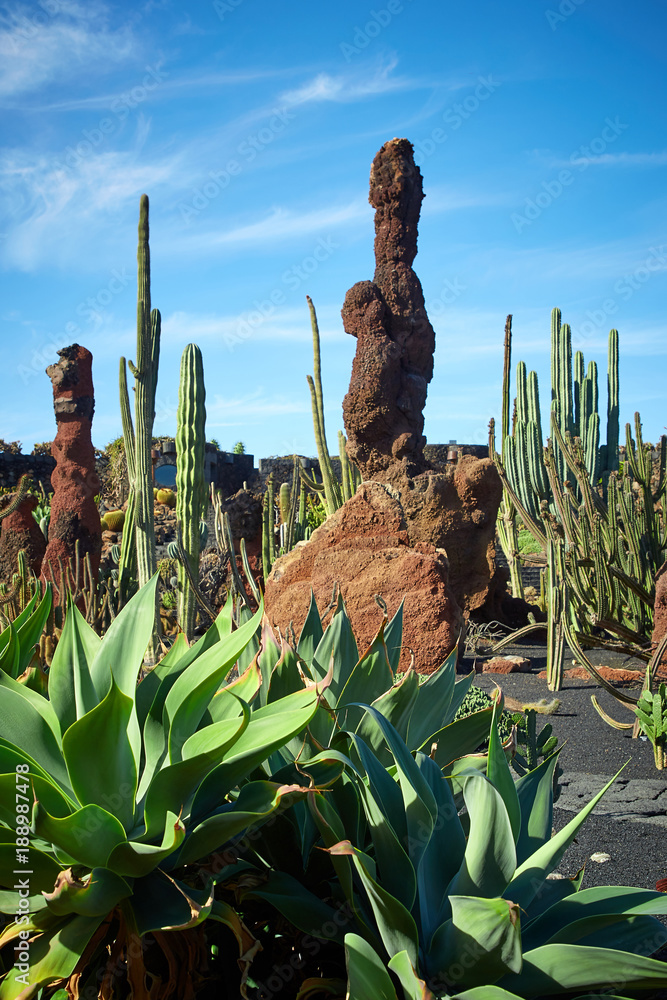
<point x="191" y="486"/>
<point x="127" y="562"/>
<point x="140" y="468"/>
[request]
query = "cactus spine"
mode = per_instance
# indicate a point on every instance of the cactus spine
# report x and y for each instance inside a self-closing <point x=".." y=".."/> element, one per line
<point x="191" y="487"/>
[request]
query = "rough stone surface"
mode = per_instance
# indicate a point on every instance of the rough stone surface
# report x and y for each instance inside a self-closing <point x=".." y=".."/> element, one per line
<point x="615" y="675"/>
<point x="660" y="612"/>
<point x="75" y="482"/>
<point x="21" y="531"/>
<point x="506" y="665"/>
<point x="365" y="548"/>
<point x="393" y="364"/>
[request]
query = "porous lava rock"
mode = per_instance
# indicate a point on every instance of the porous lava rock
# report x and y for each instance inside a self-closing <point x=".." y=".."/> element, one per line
<point x="507" y="665"/>
<point x="74" y="513"/>
<point x="393" y="364"/>
<point x="21" y="531"/>
<point x="364" y="547"/>
<point x="660" y="613"/>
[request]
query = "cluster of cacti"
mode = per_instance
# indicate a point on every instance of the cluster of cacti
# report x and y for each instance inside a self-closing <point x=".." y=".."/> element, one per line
<point x="138" y="556"/>
<point x="604" y="540"/>
<point x="191" y="486"/>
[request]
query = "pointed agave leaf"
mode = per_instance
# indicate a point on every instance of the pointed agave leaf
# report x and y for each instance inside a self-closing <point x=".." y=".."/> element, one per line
<point x="486" y="932"/>
<point x="531" y="873"/>
<point x="499" y="774"/>
<point x="256" y="802"/>
<point x="393" y="638"/>
<point x="386" y="791"/>
<point x="490" y="856"/>
<point x="190" y="696"/>
<point x="285" y="678"/>
<point x="135" y="860"/>
<point x="496" y="993"/>
<point x="311" y="633"/>
<point x="367" y="978"/>
<point x="71" y="690"/>
<point x="26" y="728"/>
<point x="163" y="903"/>
<point x="395" y="923"/>
<point x="338" y="642"/>
<point x="53" y="955"/>
<point x="227" y="703"/>
<point x="267" y="656"/>
<point x="125" y="642"/>
<point x="535" y="792"/>
<point x="370" y="679"/>
<point x="38" y="701"/>
<point x="560" y="968"/>
<point x="29" y="631"/>
<point x="414" y="988"/>
<point x="396" y="869"/>
<point x="10" y="756"/>
<point x="398" y="706"/>
<point x="332" y="830"/>
<point x="96" y="896"/>
<point x="100" y="759"/>
<point x="640" y="934"/>
<point x="89" y="835"/>
<point x="434" y="699"/>
<point x="9" y="657"/>
<point x="164" y="674"/>
<point x="460" y="738"/>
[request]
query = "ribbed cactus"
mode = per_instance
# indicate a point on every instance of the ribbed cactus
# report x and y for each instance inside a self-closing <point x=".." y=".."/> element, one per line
<point x="191" y="486"/>
<point x="18" y="498"/>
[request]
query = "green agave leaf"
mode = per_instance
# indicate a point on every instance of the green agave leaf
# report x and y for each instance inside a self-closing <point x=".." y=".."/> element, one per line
<point x="29" y="631"/>
<point x="396" y="870"/>
<point x="71" y="689"/>
<point x="57" y="801"/>
<point x="433" y="706"/>
<point x="88" y="835"/>
<point x="270" y="727"/>
<point x="370" y="679"/>
<point x="37" y="701"/>
<point x="164" y="673"/>
<point x="311" y="633"/>
<point x="531" y="873"/>
<point x="397" y="705"/>
<point x="395" y="923"/>
<point x="9" y="657"/>
<point x="535" y="792"/>
<point x="443" y="853"/>
<point x="125" y="642"/>
<point x="161" y="903"/>
<point x="479" y="944"/>
<point x="225" y="702"/>
<point x="174" y="786"/>
<point x="641" y="934"/>
<point x="557" y="968"/>
<point x="193" y="691"/>
<point x="596" y="901"/>
<point x="26" y="728"/>
<point x="490" y="856"/>
<point x="301" y="907"/>
<point x="53" y="956"/>
<point x="393" y="638"/>
<point x="101" y="761"/>
<point x="414" y="988"/>
<point x="43" y="869"/>
<point x="267" y="657"/>
<point x="496" y="993"/>
<point x="367" y="978"/>
<point x="332" y="830"/>
<point x="385" y="789"/>
<point x="337" y="641"/>
<point x="135" y="860"/>
<point x="459" y="738"/>
<point x="256" y="802"/>
<point x="285" y="678"/>
<point x="499" y="774"/>
<point x="94" y="897"/>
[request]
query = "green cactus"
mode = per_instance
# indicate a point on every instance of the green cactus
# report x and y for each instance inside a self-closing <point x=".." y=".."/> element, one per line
<point x="191" y="486"/>
<point x="19" y="496"/>
<point x="139" y="439"/>
<point x="651" y="711"/>
<point x="127" y="564"/>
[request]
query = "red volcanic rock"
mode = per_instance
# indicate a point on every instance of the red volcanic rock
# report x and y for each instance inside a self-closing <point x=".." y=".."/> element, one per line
<point x="393" y="365"/>
<point x="74" y="513"/>
<point x="615" y="675"/>
<point x="365" y="548"/>
<point x="660" y="613"/>
<point x="21" y="531"/>
<point x="507" y="665"/>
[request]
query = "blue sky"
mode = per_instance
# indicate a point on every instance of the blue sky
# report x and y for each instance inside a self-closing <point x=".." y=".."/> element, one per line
<point x="539" y="127"/>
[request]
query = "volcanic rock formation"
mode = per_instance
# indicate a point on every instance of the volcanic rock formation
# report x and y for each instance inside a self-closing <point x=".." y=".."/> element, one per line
<point x="365" y="548"/>
<point x="21" y="531"/>
<point x="74" y="513"/>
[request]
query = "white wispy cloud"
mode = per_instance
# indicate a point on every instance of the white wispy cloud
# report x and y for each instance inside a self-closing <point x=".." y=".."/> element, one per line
<point x="37" y="47"/>
<point x="639" y="159"/>
<point x="233" y="331"/>
<point x="348" y="87"/>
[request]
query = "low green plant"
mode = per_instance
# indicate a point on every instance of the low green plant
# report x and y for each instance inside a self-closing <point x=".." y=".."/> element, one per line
<point x="121" y="787"/>
<point x="239" y="448"/>
<point x="651" y="710"/>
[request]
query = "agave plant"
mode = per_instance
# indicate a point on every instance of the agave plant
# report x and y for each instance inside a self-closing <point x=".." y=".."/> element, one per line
<point x="110" y="789"/>
<point x="461" y="906"/>
<point x="19" y="637"/>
